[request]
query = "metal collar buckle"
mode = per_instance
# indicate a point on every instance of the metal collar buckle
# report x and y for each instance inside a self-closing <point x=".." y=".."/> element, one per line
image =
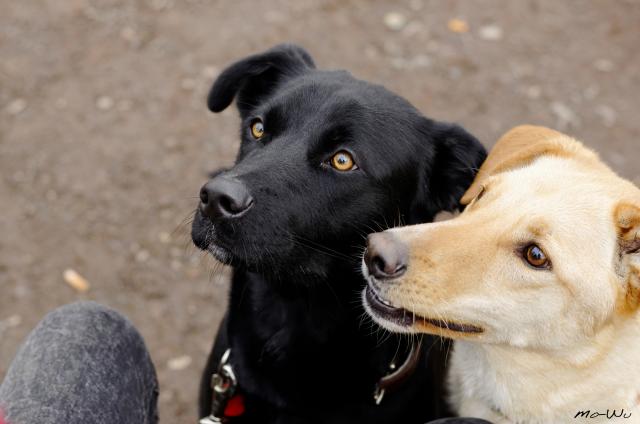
<point x="224" y="384"/>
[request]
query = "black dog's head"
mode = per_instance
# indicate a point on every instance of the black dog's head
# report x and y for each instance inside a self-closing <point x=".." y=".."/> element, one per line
<point x="324" y="159"/>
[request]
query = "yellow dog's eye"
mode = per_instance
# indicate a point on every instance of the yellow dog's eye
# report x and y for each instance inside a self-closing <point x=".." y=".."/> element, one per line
<point x="257" y="129"/>
<point x="536" y="257"/>
<point x="343" y="161"/>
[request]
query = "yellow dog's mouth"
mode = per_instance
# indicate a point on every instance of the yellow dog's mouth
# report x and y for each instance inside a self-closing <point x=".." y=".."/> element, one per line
<point x="383" y="310"/>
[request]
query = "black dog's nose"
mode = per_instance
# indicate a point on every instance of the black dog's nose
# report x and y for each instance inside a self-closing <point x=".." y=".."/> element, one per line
<point x="386" y="257"/>
<point x="224" y="198"/>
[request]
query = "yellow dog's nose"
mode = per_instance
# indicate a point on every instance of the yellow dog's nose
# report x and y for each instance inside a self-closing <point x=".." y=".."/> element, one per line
<point x="386" y="257"/>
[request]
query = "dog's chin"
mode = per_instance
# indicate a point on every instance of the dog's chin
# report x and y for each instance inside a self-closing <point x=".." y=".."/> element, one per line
<point x="401" y="320"/>
<point x="204" y="238"/>
<point x="221" y="254"/>
<point x="227" y="256"/>
<point x="271" y="258"/>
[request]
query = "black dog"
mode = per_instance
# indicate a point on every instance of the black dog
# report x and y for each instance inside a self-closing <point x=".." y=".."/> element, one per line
<point x="324" y="159"/>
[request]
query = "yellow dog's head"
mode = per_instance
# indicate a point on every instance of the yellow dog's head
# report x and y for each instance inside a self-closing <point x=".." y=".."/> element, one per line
<point x="544" y="255"/>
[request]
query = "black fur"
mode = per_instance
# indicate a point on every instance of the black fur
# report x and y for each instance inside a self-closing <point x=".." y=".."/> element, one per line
<point x="301" y="349"/>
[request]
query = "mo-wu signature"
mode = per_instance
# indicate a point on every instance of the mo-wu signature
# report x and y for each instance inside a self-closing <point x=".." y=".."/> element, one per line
<point x="608" y="414"/>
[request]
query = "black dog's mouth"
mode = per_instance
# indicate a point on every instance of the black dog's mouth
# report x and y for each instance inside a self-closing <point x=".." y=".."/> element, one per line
<point x="222" y="254"/>
<point x="203" y="234"/>
<point x="383" y="310"/>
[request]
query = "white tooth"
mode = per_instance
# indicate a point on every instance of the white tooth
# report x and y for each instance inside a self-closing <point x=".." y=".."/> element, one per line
<point x="386" y="302"/>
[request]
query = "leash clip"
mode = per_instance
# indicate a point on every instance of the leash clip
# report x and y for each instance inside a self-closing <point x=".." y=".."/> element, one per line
<point x="223" y="384"/>
<point x="378" y="394"/>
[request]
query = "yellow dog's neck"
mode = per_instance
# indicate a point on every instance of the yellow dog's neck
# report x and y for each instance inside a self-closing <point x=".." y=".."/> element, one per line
<point x="525" y="385"/>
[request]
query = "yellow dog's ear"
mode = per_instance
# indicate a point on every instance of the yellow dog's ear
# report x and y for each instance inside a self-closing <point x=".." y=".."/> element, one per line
<point x="627" y="219"/>
<point x="518" y="147"/>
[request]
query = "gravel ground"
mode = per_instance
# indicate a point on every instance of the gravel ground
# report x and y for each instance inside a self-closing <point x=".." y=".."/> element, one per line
<point x="105" y="138"/>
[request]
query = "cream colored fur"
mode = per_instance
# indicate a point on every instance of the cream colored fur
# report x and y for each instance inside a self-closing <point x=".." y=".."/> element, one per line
<point x="554" y="341"/>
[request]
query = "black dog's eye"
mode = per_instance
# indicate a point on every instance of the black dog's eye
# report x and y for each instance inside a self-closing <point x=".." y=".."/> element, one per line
<point x="257" y="129"/>
<point x="343" y="161"/>
<point x="535" y="257"/>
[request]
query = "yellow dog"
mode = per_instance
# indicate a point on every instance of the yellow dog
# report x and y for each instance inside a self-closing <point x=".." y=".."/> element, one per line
<point x="538" y="281"/>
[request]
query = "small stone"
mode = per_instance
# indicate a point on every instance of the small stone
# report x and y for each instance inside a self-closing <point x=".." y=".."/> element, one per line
<point x="604" y="65"/>
<point x="142" y="255"/>
<point x="75" y="280"/>
<point x="16" y="107"/>
<point x="210" y="72"/>
<point x="534" y="92"/>
<point x="458" y="26"/>
<point x="490" y="32"/>
<point x="179" y="363"/>
<point x="164" y="237"/>
<point x="608" y="114"/>
<point x="565" y="115"/>
<point x="13" y="321"/>
<point x="395" y="21"/>
<point x="129" y="34"/>
<point x="104" y="103"/>
<point x="419" y="61"/>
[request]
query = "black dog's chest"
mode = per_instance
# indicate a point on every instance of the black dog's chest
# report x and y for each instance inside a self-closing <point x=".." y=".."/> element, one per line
<point x="291" y="341"/>
<point x="315" y="366"/>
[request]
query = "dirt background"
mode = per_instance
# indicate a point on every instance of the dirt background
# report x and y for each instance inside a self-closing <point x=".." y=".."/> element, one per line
<point x="105" y="138"/>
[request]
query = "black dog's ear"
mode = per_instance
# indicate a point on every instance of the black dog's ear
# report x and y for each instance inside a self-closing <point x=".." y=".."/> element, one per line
<point x="454" y="164"/>
<point x="256" y="75"/>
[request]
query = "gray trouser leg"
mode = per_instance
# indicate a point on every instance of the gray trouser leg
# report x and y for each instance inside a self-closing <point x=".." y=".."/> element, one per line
<point x="84" y="363"/>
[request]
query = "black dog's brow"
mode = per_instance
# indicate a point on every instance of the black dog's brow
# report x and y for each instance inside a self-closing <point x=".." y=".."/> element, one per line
<point x="332" y="138"/>
<point x="274" y="119"/>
